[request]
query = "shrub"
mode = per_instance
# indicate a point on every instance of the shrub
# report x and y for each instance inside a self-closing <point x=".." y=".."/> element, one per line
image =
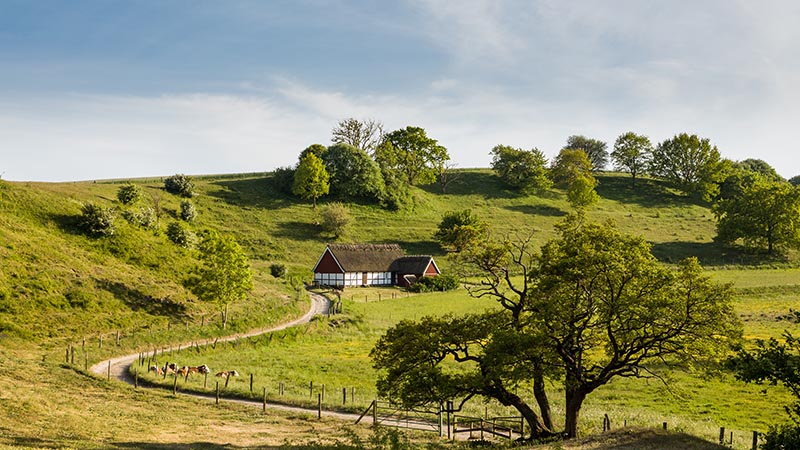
<point x="181" y="235"/>
<point x="96" y="220"/>
<point x="277" y="270"/>
<point x="283" y="179"/>
<point x="145" y="218"/>
<point x="188" y="211"/>
<point x="129" y="194"/>
<point x="179" y="184"/>
<point x="781" y="437"/>
<point x="335" y="219"/>
<point x="438" y="283"/>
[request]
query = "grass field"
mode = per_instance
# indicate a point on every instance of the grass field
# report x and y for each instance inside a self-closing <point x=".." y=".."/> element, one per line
<point x="59" y="288"/>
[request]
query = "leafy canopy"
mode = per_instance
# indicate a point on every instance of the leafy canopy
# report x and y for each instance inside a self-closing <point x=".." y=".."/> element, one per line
<point x="525" y="170"/>
<point x="411" y="152"/>
<point x="690" y="163"/>
<point x="311" y="180"/>
<point x="595" y="150"/>
<point x="460" y="229"/>
<point x="224" y="273"/>
<point x="632" y="154"/>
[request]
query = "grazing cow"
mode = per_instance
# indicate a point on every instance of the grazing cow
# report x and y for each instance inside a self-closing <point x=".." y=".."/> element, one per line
<point x="183" y="371"/>
<point x="200" y="369"/>
<point x="170" y="368"/>
<point x="156" y="369"/>
<point x="228" y="373"/>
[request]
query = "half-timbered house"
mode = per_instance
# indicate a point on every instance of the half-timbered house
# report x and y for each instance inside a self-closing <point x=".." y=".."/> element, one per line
<point x="344" y="265"/>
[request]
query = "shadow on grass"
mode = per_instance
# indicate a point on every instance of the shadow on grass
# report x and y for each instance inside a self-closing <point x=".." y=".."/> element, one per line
<point x="485" y="184"/>
<point x="298" y="231"/>
<point x="648" y="192"/>
<point x="538" y="210"/>
<point x="137" y="300"/>
<point x="712" y="254"/>
<point x="189" y="445"/>
<point x="254" y="192"/>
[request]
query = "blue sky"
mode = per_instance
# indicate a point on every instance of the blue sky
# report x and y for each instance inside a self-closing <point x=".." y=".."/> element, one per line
<point x="117" y="89"/>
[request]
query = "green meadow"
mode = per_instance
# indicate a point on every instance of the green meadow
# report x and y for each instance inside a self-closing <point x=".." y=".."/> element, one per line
<point x="61" y="291"/>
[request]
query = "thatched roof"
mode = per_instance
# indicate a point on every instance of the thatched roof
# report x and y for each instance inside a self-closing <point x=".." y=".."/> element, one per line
<point x="366" y="257"/>
<point x="411" y="264"/>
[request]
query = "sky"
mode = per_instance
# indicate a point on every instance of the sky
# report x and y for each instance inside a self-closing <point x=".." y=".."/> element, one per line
<point x="124" y="89"/>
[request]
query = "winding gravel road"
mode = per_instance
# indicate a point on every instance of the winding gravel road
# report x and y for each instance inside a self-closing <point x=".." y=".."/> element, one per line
<point x="319" y="306"/>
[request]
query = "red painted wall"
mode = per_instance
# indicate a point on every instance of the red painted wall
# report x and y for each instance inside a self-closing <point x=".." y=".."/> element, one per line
<point x="327" y="264"/>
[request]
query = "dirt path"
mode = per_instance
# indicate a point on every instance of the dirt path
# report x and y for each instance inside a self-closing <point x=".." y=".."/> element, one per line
<point x="319" y="305"/>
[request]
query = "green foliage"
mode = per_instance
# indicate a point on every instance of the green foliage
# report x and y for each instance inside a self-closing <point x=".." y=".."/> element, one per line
<point x="179" y="184"/>
<point x="411" y="152"/>
<point x="317" y="150"/>
<point x="595" y="150"/>
<point x="363" y="134"/>
<point x="353" y="173"/>
<point x="690" y="163"/>
<point x="188" y="211"/>
<point x="439" y="283"/>
<point x="144" y="218"/>
<point x="397" y="195"/>
<point x="781" y="437"/>
<point x="525" y="170"/>
<point x="460" y="229"/>
<point x="568" y="165"/>
<point x="277" y="270"/>
<point x="180" y="235"/>
<point x="129" y="194"/>
<point x="760" y="167"/>
<point x="97" y="221"/>
<point x="581" y="193"/>
<point x="795" y="180"/>
<point x="224" y="274"/>
<point x="283" y="180"/>
<point x="764" y="214"/>
<point x="335" y="219"/>
<point x="632" y="154"/>
<point x="311" y="180"/>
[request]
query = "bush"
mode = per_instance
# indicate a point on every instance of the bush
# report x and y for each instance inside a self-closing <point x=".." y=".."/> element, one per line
<point x="179" y="184"/>
<point x="181" y="235"/>
<point x="96" y="220"/>
<point x="145" y="218"/>
<point x="335" y="219"/>
<point x="129" y="194"/>
<point x="277" y="270"/>
<point x="283" y="179"/>
<point x="781" y="437"/>
<point x="188" y="211"/>
<point x="439" y="283"/>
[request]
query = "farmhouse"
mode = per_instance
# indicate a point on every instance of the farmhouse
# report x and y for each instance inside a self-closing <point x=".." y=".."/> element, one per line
<point x="343" y="265"/>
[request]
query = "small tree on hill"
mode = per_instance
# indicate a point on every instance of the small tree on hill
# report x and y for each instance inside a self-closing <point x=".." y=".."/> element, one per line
<point x="129" y="194"/>
<point x="460" y="229"/>
<point x="96" y="220"/>
<point x="525" y="170"/>
<point x="188" y="212"/>
<point x="335" y="219"/>
<point x="224" y="275"/>
<point x="632" y="154"/>
<point x="690" y="163"/>
<point x="179" y="184"/>
<point x="595" y="150"/>
<point x="311" y="180"/>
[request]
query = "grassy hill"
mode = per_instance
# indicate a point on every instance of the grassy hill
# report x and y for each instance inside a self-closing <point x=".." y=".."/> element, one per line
<point x="59" y="287"/>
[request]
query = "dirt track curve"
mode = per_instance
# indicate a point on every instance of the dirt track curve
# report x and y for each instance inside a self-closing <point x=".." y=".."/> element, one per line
<point x="319" y="305"/>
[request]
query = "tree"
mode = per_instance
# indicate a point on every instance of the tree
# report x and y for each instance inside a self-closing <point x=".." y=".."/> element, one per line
<point x="311" y="180"/>
<point x="568" y="165"/>
<point x="180" y="235"/>
<point x="460" y="229"/>
<point x="760" y="167"/>
<point x="763" y="214"/>
<point x="283" y="179"/>
<point x="129" y="194"/>
<point x="364" y="134"/>
<point x="595" y="150"/>
<point x="179" y="184"/>
<point x="593" y="306"/>
<point x="97" y="221"/>
<point x="335" y="219"/>
<point x="411" y="152"/>
<point x="632" y="154"/>
<point x="692" y="164"/>
<point x="525" y="170"/>
<point x="353" y="173"/>
<point x="603" y="303"/>
<point x="581" y="193"/>
<point x="795" y="180"/>
<point x="224" y="275"/>
<point x="317" y="149"/>
<point x="774" y="362"/>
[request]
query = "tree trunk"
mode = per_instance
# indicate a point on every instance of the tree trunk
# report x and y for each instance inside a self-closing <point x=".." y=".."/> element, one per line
<point x="574" y="401"/>
<point x="541" y="397"/>
<point x="225" y="318"/>
<point x="535" y="423"/>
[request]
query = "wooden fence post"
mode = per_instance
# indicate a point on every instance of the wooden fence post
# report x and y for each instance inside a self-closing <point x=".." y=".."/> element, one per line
<point x="136" y="378"/>
<point x="85" y="360"/>
<point x="175" y="385"/>
<point x="66" y="357"/>
<point x="755" y="440"/>
<point x="117" y="338"/>
<point x="319" y="406"/>
<point x="265" y="399"/>
<point x="205" y="380"/>
<point x="311" y="389"/>
<point x="109" y="370"/>
<point x="375" y="412"/>
<point x="664" y="425"/>
<point x="721" y="435"/>
<point x="251" y="383"/>
<point x="72" y="354"/>
<point x="344" y="396"/>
